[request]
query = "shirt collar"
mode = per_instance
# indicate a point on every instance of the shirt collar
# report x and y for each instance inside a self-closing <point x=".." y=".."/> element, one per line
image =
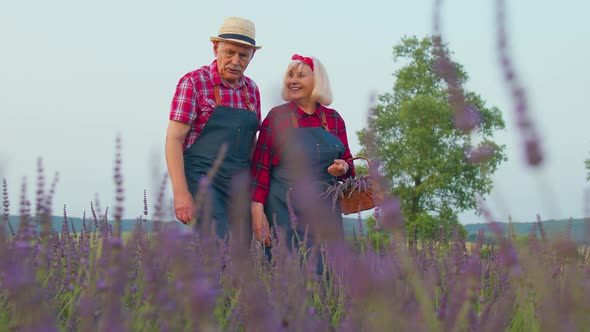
<point x="300" y="113"/>
<point x="216" y="79"/>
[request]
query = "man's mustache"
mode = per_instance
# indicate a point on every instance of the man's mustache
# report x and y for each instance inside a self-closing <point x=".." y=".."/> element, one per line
<point x="234" y="67"/>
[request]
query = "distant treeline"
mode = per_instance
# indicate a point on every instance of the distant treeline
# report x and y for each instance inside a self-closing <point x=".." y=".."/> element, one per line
<point x="74" y="223"/>
<point x="127" y="225"/>
<point x="577" y="227"/>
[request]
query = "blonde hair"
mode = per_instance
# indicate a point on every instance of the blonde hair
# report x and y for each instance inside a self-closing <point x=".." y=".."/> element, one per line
<point x="322" y="92"/>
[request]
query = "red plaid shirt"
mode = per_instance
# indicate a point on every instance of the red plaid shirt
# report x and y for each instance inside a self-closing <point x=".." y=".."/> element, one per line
<point x="194" y="99"/>
<point x="267" y="154"/>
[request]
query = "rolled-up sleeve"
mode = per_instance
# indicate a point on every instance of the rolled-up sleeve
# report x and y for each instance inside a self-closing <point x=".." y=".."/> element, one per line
<point x="184" y="106"/>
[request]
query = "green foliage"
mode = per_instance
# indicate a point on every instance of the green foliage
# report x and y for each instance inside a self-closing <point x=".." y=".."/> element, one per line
<point x="587" y="163"/>
<point x="521" y="240"/>
<point x="378" y="238"/>
<point x="431" y="226"/>
<point x="412" y="133"/>
<point x="361" y="170"/>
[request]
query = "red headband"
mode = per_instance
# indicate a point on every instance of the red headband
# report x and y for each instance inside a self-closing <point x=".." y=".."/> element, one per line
<point x="303" y="59"/>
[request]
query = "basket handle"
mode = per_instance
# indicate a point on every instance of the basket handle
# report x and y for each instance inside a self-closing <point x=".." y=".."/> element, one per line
<point x="361" y="157"/>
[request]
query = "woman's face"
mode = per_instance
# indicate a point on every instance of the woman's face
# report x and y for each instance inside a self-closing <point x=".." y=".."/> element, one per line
<point x="300" y="83"/>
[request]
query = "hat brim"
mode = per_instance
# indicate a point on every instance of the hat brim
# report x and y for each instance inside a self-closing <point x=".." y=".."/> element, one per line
<point x="235" y="41"/>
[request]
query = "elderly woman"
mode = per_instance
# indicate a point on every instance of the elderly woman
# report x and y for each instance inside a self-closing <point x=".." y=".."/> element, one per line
<point x="302" y="141"/>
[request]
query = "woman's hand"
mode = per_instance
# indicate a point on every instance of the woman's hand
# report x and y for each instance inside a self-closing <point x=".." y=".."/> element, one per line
<point x="338" y="168"/>
<point x="260" y="225"/>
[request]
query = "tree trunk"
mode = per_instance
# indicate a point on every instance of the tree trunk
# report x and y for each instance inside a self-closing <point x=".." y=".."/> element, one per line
<point x="414" y="210"/>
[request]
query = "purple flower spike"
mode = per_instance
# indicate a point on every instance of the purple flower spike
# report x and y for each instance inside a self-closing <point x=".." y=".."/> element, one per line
<point x="203" y="182"/>
<point x="377" y="213"/>
<point x="482" y="153"/>
<point x="466" y="119"/>
<point x="390" y="212"/>
<point x="523" y="117"/>
<point x="101" y="285"/>
<point x="533" y="152"/>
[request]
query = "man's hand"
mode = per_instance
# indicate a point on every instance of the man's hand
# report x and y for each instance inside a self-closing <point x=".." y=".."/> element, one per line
<point x="338" y="168"/>
<point x="183" y="201"/>
<point x="260" y="225"/>
<point x="184" y="207"/>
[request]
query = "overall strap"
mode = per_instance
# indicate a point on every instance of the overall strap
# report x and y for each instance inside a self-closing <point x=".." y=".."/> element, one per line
<point x="325" y="122"/>
<point x="247" y="97"/>
<point x="217" y="95"/>
<point x="244" y="91"/>
<point x="294" y="121"/>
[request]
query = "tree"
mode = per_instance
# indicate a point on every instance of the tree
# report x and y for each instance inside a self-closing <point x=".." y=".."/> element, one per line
<point x="432" y="165"/>
<point x="587" y="162"/>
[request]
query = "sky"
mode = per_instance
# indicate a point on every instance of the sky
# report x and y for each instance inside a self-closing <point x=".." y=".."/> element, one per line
<point x="76" y="74"/>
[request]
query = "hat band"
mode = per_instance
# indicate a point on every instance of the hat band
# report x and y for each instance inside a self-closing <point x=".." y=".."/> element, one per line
<point x="238" y="37"/>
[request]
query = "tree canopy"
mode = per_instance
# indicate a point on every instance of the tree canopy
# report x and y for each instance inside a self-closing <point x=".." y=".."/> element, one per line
<point x="436" y="169"/>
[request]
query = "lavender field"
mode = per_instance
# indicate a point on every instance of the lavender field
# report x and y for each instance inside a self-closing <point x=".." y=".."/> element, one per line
<point x="171" y="277"/>
<point x="175" y="279"/>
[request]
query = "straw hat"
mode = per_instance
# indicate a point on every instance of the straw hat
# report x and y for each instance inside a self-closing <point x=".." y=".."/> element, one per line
<point x="237" y="30"/>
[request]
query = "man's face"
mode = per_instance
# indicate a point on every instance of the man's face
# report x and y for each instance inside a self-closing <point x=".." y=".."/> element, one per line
<point x="232" y="60"/>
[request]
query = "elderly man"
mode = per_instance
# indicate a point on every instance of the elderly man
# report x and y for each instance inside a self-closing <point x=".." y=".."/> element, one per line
<point x="212" y="106"/>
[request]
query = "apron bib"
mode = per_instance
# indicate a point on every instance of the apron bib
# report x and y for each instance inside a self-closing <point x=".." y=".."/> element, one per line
<point x="320" y="148"/>
<point x="236" y="127"/>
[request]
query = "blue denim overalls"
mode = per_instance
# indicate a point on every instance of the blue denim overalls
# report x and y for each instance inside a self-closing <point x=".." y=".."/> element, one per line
<point x="236" y="127"/>
<point x="318" y="148"/>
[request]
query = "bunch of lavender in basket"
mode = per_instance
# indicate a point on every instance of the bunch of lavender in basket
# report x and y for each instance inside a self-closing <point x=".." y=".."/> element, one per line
<point x="347" y="188"/>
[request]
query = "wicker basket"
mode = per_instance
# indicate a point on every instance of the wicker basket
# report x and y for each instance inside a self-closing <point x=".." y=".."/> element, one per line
<point x="354" y="201"/>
